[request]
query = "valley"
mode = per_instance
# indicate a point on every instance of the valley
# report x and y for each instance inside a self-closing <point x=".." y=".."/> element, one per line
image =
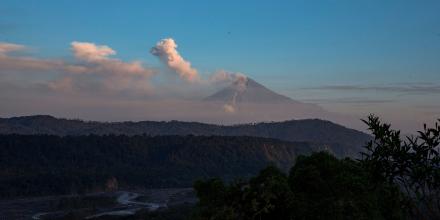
<point x="102" y="205"/>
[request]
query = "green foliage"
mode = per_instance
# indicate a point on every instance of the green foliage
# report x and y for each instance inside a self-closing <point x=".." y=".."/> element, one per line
<point x="327" y="187"/>
<point x="266" y="196"/>
<point x="319" y="186"/>
<point x="412" y="164"/>
<point x="45" y="164"/>
<point x="395" y="179"/>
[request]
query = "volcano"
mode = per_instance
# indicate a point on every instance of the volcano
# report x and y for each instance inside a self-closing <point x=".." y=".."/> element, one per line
<point x="249" y="91"/>
<point x="249" y="101"/>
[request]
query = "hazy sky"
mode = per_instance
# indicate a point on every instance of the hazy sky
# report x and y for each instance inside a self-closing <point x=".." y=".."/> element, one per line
<point x="353" y="57"/>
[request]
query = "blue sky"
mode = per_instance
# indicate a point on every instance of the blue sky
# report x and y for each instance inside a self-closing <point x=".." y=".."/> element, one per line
<point x="305" y="42"/>
<point x="298" y="48"/>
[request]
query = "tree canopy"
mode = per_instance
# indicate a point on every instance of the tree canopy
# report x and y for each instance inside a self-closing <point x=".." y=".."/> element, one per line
<point x="394" y="179"/>
<point x="319" y="186"/>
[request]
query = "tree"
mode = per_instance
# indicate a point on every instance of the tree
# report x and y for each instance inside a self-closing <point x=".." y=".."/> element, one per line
<point x="266" y="196"/>
<point x="329" y="188"/>
<point x="412" y="164"/>
<point x="319" y="186"/>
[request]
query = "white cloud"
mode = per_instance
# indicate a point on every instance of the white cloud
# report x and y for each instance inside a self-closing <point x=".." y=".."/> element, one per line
<point x="91" y="52"/>
<point x="94" y="68"/>
<point x="8" y="47"/>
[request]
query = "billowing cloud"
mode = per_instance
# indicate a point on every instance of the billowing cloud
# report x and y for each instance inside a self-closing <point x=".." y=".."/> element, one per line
<point x="97" y="58"/>
<point x="114" y="74"/>
<point x="91" y="52"/>
<point x="93" y="68"/>
<point x="23" y="64"/>
<point x="166" y="50"/>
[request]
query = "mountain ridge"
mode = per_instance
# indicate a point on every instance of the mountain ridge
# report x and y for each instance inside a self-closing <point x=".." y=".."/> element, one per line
<point x="342" y="141"/>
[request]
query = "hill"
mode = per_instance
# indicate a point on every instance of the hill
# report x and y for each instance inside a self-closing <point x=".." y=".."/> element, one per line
<point x="47" y="164"/>
<point x="340" y="140"/>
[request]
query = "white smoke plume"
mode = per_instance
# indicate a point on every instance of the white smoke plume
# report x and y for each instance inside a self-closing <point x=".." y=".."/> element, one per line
<point x="225" y="76"/>
<point x="228" y="108"/>
<point x="166" y="50"/>
<point x="239" y="82"/>
<point x="96" y="69"/>
<point x="231" y="107"/>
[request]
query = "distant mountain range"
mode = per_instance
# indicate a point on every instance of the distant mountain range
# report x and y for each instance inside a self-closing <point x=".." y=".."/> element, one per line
<point x="340" y="140"/>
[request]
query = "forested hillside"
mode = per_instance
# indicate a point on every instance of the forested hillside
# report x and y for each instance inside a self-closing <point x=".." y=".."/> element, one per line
<point x="46" y="164"/>
<point x="341" y="140"/>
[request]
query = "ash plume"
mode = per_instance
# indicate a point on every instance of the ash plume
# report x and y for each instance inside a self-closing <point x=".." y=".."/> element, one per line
<point x="239" y="81"/>
<point x="166" y="50"/>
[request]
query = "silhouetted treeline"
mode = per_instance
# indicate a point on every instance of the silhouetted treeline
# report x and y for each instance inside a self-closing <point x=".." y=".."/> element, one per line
<point x="340" y="140"/>
<point x="45" y="164"/>
<point x="395" y="179"/>
<point x="318" y="187"/>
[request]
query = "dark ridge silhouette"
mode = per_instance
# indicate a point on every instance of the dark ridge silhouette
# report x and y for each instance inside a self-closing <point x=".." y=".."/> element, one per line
<point x="340" y="140"/>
